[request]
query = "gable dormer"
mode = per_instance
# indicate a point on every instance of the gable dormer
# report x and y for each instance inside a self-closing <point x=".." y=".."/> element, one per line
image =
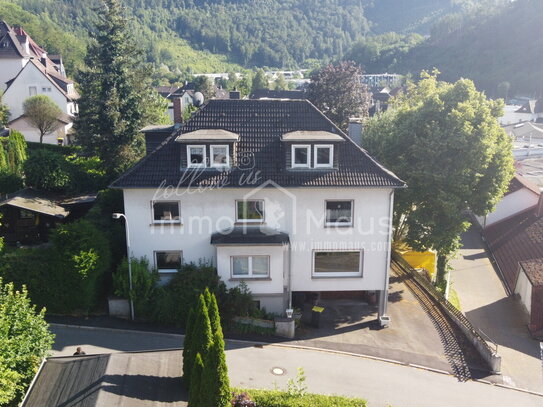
<point x="208" y="148"/>
<point x="311" y="150"/>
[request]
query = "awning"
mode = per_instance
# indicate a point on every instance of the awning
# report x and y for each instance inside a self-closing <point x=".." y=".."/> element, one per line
<point x="249" y="235"/>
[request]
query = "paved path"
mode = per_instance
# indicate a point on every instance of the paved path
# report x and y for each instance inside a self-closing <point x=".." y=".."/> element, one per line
<point x="484" y="301"/>
<point x="381" y="383"/>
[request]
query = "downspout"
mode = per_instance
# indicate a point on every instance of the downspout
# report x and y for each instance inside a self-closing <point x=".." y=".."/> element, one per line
<point x="289" y="276"/>
<point x="384" y="299"/>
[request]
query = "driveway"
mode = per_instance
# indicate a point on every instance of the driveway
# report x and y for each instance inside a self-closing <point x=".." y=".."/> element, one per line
<point x="382" y="384"/>
<point x="484" y="301"/>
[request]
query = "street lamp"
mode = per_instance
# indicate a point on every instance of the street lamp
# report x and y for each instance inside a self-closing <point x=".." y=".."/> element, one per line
<point x="118" y="216"/>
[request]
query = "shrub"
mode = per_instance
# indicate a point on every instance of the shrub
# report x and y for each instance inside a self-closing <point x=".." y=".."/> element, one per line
<point x="215" y="375"/>
<point x="195" y="391"/>
<point x="277" y="398"/>
<point x="144" y="283"/>
<point x="10" y="182"/>
<point x="201" y="338"/>
<point x="187" y="344"/>
<point x="86" y="174"/>
<point x="24" y="341"/>
<point x="242" y="400"/>
<point x="45" y="169"/>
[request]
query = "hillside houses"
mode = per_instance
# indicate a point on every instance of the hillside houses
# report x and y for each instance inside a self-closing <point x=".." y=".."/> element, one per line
<point x="27" y="70"/>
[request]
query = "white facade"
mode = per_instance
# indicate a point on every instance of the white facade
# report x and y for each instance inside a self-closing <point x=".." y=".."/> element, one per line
<point x="300" y="212"/>
<point x="510" y="205"/>
<point x="9" y="68"/>
<point x="29" y="82"/>
<point x="524" y="289"/>
<point x="59" y="136"/>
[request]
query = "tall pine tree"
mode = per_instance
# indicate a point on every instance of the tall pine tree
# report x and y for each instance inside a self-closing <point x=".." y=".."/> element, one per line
<point x="195" y="391"/>
<point x="215" y="375"/>
<point x="201" y="338"/>
<point x="117" y="98"/>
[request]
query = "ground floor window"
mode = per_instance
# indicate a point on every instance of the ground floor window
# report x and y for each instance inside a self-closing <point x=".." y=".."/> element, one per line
<point x="337" y="263"/>
<point x="168" y="261"/>
<point x="250" y="266"/>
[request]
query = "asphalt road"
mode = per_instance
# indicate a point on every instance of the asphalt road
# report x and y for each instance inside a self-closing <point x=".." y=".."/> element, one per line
<point x="381" y="383"/>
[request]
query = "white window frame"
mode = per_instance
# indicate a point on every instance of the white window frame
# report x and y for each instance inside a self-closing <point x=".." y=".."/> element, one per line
<point x="330" y="163"/>
<point x="250" y="275"/>
<point x="293" y="156"/>
<point x="251" y="220"/>
<point x="196" y="165"/>
<point x="175" y="221"/>
<point x="211" y="158"/>
<point x="46" y="89"/>
<point x="34" y="87"/>
<point x="357" y="274"/>
<point x="338" y="224"/>
<point x="167" y="271"/>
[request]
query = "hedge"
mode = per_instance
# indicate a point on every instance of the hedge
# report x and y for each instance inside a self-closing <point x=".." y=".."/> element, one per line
<point x="277" y="398"/>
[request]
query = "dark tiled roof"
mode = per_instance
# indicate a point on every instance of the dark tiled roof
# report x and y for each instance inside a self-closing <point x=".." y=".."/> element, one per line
<point x="532" y="106"/>
<point x="519" y="182"/>
<point x="260" y="124"/>
<point x="513" y="240"/>
<point x="249" y="235"/>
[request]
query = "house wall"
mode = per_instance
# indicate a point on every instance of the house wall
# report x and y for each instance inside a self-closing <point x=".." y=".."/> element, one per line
<point x="9" y="68"/>
<point x="18" y="92"/>
<point x="299" y="212"/>
<point x="510" y="205"/>
<point x="31" y="134"/>
<point x="524" y="289"/>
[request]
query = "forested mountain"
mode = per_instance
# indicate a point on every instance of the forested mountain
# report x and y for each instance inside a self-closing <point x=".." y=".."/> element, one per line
<point x="275" y="33"/>
<point x="490" y="46"/>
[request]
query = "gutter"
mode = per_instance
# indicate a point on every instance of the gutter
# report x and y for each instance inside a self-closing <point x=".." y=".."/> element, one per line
<point x="389" y="251"/>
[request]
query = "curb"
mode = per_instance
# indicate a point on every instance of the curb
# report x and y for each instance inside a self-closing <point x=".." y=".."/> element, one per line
<point x="302" y="347"/>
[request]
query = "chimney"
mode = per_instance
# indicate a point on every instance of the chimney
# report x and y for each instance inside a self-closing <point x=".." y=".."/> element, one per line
<point x="235" y="94"/>
<point x="356" y="127"/>
<point x="539" y="210"/>
<point x="177" y="110"/>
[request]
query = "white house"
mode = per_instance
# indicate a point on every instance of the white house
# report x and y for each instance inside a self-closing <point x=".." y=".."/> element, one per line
<point x="272" y="193"/>
<point x="26" y="70"/>
<point x="521" y="196"/>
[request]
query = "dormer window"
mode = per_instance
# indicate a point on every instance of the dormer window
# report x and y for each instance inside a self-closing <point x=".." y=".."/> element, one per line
<point x="196" y="156"/>
<point x="301" y="156"/>
<point x="220" y="156"/>
<point x="324" y="155"/>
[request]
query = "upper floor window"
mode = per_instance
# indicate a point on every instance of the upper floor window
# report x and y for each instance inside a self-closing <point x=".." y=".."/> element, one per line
<point x="220" y="156"/>
<point x="324" y="155"/>
<point x="196" y="156"/>
<point x="301" y="156"/>
<point x="46" y="89"/>
<point x="166" y="212"/>
<point x="32" y="90"/>
<point x="250" y="211"/>
<point x="339" y="213"/>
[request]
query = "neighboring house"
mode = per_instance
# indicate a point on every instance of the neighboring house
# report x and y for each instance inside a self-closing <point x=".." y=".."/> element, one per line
<point x="278" y="94"/>
<point x="29" y="215"/>
<point x="62" y="135"/>
<point x="521" y="195"/>
<point x="273" y="194"/>
<point x="185" y="97"/>
<point x="383" y="79"/>
<point x="525" y="132"/>
<point x="516" y="244"/>
<point x="26" y="70"/>
<point x="119" y="379"/>
<point x="534" y="108"/>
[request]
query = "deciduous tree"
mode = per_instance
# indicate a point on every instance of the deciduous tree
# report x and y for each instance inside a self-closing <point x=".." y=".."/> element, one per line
<point x="260" y="81"/>
<point x="42" y="113"/>
<point x="338" y="92"/>
<point x="24" y="341"/>
<point x="445" y="141"/>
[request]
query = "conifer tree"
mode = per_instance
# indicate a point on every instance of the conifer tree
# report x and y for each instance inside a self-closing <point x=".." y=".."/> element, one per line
<point x="3" y="159"/>
<point x="214" y="317"/>
<point x="187" y="344"/>
<point x="215" y="376"/>
<point x="202" y="337"/>
<point x="16" y="152"/>
<point x="117" y="99"/>
<point x="196" y="390"/>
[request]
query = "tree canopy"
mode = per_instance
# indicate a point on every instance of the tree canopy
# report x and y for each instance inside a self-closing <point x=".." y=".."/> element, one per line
<point x="339" y="93"/>
<point x="117" y="99"/>
<point x="24" y="341"/>
<point x="42" y="113"/>
<point x="444" y="140"/>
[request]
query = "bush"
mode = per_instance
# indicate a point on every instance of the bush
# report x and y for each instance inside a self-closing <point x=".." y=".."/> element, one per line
<point x="10" y="182"/>
<point x="144" y="284"/>
<point x="242" y="400"/>
<point x="24" y="341"/>
<point x="86" y="174"/>
<point x="277" y="398"/>
<point x="45" y="169"/>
